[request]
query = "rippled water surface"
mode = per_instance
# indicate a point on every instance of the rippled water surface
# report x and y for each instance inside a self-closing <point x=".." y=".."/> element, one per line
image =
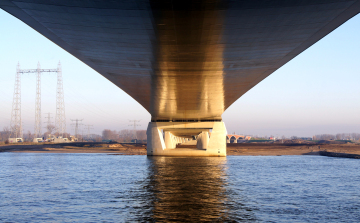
<point x="108" y="188"/>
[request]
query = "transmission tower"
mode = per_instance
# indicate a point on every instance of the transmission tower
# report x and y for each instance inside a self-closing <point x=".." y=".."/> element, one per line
<point x="21" y="130"/>
<point x="60" y="120"/>
<point x="48" y="121"/>
<point x="76" y="125"/>
<point x="37" y="131"/>
<point x="15" y="123"/>
<point x="88" y="127"/>
<point x="134" y="124"/>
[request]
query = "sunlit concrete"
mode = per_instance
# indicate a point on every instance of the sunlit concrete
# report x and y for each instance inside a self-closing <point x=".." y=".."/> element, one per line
<point x="184" y="60"/>
<point x="163" y="137"/>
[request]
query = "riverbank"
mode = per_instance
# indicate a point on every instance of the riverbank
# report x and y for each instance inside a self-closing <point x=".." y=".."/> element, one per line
<point x="77" y="147"/>
<point x="279" y="149"/>
<point x="348" y="150"/>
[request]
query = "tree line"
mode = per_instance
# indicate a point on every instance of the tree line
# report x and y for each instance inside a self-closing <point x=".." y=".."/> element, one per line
<point x="125" y="135"/>
<point x="339" y="136"/>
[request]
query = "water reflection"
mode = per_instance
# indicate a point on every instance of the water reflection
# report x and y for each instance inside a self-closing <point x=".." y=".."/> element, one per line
<point x="102" y="188"/>
<point x="189" y="189"/>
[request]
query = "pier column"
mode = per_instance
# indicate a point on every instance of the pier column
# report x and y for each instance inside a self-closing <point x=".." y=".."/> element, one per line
<point x="203" y="140"/>
<point x="169" y="142"/>
<point x="179" y="132"/>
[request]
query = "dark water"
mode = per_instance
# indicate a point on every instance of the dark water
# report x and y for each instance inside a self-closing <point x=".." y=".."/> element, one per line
<point x="107" y="188"/>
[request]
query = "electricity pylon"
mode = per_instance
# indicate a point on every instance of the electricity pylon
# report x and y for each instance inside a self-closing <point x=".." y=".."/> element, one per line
<point x="15" y="123"/>
<point x="60" y="120"/>
<point x="135" y="121"/>
<point x="88" y="127"/>
<point x="76" y="126"/>
<point x="48" y="122"/>
<point x="37" y="131"/>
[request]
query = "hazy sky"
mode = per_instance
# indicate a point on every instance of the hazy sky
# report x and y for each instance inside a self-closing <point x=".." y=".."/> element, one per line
<point x="317" y="92"/>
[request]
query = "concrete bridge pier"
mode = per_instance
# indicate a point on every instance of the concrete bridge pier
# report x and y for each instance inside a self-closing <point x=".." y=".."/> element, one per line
<point x="210" y="138"/>
<point x="203" y="140"/>
<point x="170" y="142"/>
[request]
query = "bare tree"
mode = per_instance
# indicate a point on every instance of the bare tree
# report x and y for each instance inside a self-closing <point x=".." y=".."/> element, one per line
<point x="28" y="136"/>
<point x="353" y="136"/>
<point x="7" y="132"/>
<point x="325" y="137"/>
<point x="107" y="134"/>
<point x="126" y="135"/>
<point x="141" y="134"/>
<point x="50" y="128"/>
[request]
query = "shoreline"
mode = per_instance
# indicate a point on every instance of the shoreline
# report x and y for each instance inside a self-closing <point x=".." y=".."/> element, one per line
<point x="241" y="149"/>
<point x="77" y="147"/>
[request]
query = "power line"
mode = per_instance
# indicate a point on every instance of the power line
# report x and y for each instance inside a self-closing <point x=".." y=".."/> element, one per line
<point x="93" y="107"/>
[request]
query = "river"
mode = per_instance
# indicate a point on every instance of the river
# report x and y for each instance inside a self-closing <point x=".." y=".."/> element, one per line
<point x="41" y="187"/>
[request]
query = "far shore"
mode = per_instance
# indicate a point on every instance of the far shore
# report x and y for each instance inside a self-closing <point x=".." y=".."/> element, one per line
<point x="274" y="149"/>
<point x="349" y="150"/>
<point x="77" y="147"/>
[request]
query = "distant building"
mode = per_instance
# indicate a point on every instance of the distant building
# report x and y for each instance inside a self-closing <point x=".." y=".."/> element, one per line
<point x="15" y="140"/>
<point x="233" y="138"/>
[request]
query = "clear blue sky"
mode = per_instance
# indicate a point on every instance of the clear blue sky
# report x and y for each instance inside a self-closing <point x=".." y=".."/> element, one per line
<point x="317" y="92"/>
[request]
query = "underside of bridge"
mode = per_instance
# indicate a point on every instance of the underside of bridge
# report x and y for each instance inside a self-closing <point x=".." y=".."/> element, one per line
<point x="184" y="61"/>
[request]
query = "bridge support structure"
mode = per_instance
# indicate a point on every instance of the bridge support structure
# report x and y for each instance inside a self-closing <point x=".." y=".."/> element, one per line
<point x="209" y="138"/>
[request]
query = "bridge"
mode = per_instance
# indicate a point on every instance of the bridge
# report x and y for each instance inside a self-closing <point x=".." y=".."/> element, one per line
<point x="233" y="138"/>
<point x="184" y="61"/>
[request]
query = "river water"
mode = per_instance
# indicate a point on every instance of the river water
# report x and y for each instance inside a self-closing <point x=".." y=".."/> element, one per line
<point x="40" y="187"/>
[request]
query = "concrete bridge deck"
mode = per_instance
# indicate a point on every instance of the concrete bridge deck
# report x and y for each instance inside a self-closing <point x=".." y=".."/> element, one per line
<point x="182" y="60"/>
